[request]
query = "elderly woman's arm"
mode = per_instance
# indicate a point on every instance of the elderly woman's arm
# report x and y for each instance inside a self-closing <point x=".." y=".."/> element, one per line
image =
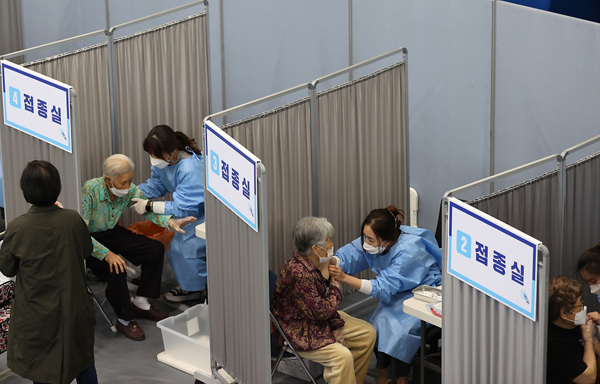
<point x="589" y="357"/>
<point x="307" y="299"/>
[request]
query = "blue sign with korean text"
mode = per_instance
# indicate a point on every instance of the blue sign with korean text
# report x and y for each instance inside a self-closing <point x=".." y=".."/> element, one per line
<point x="37" y="105"/>
<point x="493" y="257"/>
<point x="231" y="173"/>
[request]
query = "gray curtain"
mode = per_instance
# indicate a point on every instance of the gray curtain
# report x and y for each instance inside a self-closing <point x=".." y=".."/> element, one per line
<point x="363" y="158"/>
<point x="363" y="151"/>
<point x="582" y="218"/>
<point x="531" y="207"/>
<point x="162" y="78"/>
<point x="281" y="139"/>
<point x="87" y="71"/>
<point x="11" y="32"/>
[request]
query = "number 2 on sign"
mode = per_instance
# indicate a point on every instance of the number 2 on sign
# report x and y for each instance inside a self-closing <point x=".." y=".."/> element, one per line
<point x="463" y="245"/>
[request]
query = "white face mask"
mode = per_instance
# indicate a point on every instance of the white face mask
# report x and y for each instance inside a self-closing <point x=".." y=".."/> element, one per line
<point x="373" y="250"/>
<point x="158" y="163"/>
<point x="118" y="192"/>
<point x="595" y="289"/>
<point x="329" y="255"/>
<point x="580" y="317"/>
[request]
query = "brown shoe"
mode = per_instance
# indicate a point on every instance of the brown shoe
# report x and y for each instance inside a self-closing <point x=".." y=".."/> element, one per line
<point x="131" y="331"/>
<point x="153" y="313"/>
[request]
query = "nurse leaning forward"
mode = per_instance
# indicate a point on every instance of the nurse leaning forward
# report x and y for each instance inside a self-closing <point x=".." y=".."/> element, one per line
<point x="402" y="258"/>
<point x="177" y="169"/>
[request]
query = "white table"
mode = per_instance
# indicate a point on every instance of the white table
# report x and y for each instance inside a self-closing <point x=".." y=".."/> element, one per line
<point x="417" y="308"/>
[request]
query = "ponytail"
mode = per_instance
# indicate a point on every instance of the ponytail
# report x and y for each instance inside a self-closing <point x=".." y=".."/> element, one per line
<point x="187" y="142"/>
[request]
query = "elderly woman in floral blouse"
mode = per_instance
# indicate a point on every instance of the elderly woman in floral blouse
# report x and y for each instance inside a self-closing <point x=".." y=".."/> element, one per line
<point x="305" y="303"/>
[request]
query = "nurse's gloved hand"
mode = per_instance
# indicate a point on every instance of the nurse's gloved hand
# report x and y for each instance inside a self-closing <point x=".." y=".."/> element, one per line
<point x="338" y="337"/>
<point x="594" y="316"/>
<point x="140" y="205"/>
<point x="587" y="331"/>
<point x="337" y="273"/>
<point x="177" y="224"/>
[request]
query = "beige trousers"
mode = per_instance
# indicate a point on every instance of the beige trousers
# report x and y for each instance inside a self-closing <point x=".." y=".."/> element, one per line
<point x="346" y="364"/>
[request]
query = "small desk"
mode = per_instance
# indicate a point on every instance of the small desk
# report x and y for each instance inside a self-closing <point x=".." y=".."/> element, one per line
<point x="416" y="308"/>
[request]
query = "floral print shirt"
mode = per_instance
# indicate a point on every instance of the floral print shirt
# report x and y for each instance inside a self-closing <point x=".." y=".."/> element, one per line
<point x="100" y="214"/>
<point x="304" y="305"/>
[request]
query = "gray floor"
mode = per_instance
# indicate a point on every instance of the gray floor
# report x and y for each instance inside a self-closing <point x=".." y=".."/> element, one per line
<point x="120" y="360"/>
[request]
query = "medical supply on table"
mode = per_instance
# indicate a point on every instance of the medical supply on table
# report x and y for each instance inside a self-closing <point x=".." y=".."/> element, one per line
<point x="428" y="293"/>
<point x="435" y="308"/>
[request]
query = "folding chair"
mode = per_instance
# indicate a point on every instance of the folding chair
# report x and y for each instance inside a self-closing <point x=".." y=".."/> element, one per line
<point x="110" y="323"/>
<point x="286" y="352"/>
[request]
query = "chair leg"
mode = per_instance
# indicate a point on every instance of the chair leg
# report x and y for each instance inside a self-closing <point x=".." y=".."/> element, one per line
<point x="110" y="324"/>
<point x="277" y="362"/>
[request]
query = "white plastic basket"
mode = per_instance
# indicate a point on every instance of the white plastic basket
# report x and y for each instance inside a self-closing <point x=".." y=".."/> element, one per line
<point x="186" y="338"/>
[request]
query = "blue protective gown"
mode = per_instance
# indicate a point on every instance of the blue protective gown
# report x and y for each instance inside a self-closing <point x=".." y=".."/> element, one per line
<point x="185" y="182"/>
<point x="414" y="260"/>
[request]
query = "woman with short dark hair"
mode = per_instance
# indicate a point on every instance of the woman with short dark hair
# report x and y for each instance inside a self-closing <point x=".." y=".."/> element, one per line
<point x="51" y="337"/>
<point x="572" y="348"/>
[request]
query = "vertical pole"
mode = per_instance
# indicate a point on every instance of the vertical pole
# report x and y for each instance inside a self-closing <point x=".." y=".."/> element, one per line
<point x="350" y="40"/>
<point x="75" y="145"/>
<point x="543" y="283"/>
<point x="314" y="146"/>
<point x="493" y="98"/>
<point x="107" y="14"/>
<point x="2" y="128"/>
<point x="562" y="207"/>
<point x="111" y="87"/>
<point x="404" y="92"/>
<point x="208" y="71"/>
<point x="222" y="38"/>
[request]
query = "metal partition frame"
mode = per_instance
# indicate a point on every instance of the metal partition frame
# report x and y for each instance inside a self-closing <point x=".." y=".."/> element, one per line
<point x="109" y="32"/>
<point x="314" y="122"/>
<point x="513" y="355"/>
<point x="242" y="349"/>
<point x="485" y="341"/>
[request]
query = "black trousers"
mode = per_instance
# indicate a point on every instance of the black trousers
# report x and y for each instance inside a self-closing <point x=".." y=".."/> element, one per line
<point x="137" y="249"/>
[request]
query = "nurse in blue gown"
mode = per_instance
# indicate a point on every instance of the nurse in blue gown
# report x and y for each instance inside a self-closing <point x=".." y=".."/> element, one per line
<point x="402" y="258"/>
<point x="177" y="169"/>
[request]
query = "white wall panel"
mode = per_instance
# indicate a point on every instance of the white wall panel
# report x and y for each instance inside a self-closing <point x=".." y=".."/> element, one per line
<point x="546" y="82"/>
<point x="449" y="45"/>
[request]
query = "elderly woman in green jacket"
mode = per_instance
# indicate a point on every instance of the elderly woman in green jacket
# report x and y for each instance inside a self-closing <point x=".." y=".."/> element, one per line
<point x="51" y="335"/>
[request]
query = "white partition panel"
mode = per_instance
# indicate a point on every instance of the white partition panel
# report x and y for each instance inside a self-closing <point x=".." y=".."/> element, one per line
<point x="546" y="84"/>
<point x="274" y="45"/>
<point x="485" y="341"/>
<point x="449" y="49"/>
<point x="237" y="260"/>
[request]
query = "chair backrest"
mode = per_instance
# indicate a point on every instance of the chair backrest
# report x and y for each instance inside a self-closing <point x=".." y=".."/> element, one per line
<point x="272" y="281"/>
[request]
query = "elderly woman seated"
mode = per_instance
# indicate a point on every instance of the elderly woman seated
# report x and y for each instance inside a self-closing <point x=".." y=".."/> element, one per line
<point x="572" y="348"/>
<point x="305" y="303"/>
